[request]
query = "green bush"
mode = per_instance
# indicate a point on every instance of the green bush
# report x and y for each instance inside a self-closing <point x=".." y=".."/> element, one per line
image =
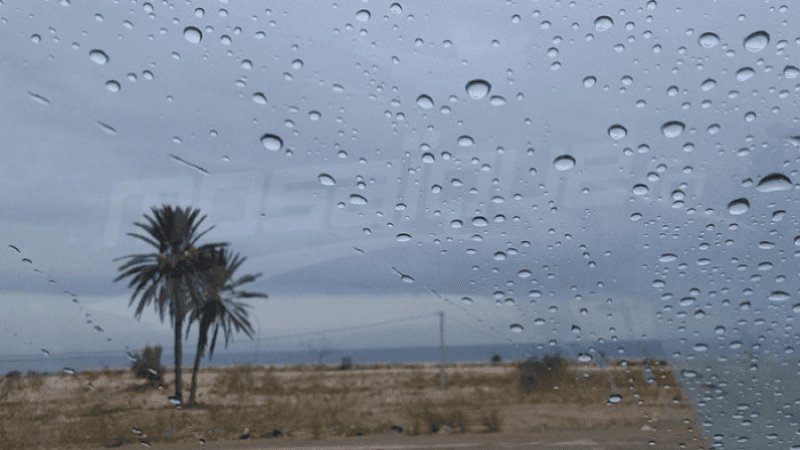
<point x="148" y="365"/>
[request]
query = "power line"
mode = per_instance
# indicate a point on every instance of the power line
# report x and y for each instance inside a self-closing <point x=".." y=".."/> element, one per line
<point x="314" y="333"/>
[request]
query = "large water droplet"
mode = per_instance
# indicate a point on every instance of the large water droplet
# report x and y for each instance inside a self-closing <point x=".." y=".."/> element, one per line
<point x="424" y="102"/>
<point x="396" y="8"/>
<point x="778" y="296"/>
<point x="357" y="199"/>
<point x="617" y="132"/>
<point x="271" y="142"/>
<point x="640" y="189"/>
<point x="667" y="257"/>
<point x="791" y="72"/>
<point x="98" y="56"/>
<point x="672" y="129"/>
<point x="589" y="81"/>
<point x="708" y="40"/>
<point x="363" y="15"/>
<point x="479" y="221"/>
<point x="466" y="300"/>
<point x="260" y="98"/>
<point x="745" y="74"/>
<point x="192" y="35"/>
<point x="738" y="206"/>
<point x="326" y="180"/>
<point x="564" y="162"/>
<point x="465" y="141"/>
<point x="614" y="398"/>
<point x="403" y="237"/>
<point x="478" y="89"/>
<point x="774" y="182"/>
<point x="516" y="328"/>
<point x="757" y="41"/>
<point x="603" y="23"/>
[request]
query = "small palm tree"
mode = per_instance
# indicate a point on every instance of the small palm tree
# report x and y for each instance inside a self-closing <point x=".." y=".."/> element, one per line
<point x="219" y="307"/>
<point x="166" y="277"/>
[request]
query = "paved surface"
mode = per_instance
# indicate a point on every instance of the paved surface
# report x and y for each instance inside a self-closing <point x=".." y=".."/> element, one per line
<point x="617" y="439"/>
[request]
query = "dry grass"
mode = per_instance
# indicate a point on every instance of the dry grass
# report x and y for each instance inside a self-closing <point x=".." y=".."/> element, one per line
<point x="112" y="407"/>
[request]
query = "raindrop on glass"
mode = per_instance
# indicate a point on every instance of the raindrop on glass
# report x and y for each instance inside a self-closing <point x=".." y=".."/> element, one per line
<point x="192" y="35"/>
<point x="603" y="23"/>
<point x="617" y="132"/>
<point x="738" y="206"/>
<point x="326" y="180"/>
<point x="424" y="102"/>
<point x="98" y="57"/>
<point x="564" y="162"/>
<point x="672" y="129"/>
<point x="478" y="89"/>
<point x="757" y="41"/>
<point x="271" y="142"/>
<point x="708" y="40"/>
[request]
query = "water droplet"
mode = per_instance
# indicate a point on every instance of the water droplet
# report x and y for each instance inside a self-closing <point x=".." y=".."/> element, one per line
<point x="584" y="357"/>
<point x="260" y="98"/>
<point x="738" y="206"/>
<point x="98" y="57"/>
<point x="524" y="273"/>
<point x="617" y="132"/>
<point x="456" y="223"/>
<point x="357" y="199"/>
<point x="745" y="74"/>
<point x="428" y="158"/>
<point x="791" y="72"/>
<point x="38" y="98"/>
<point x="396" y="8"/>
<point x="778" y="296"/>
<point x="667" y="257"/>
<point x="516" y="328"/>
<point x="614" y="398"/>
<point x="403" y="237"/>
<point x="326" y="180"/>
<point x="108" y="129"/>
<point x="564" y="162"/>
<point x="314" y="115"/>
<point x="271" y="142"/>
<point x="478" y="89"/>
<point x="424" y="102"/>
<point x="774" y="182"/>
<point x="112" y="86"/>
<point x="589" y="81"/>
<point x="46" y="353"/>
<point x="69" y="371"/>
<point x="436" y="189"/>
<point x="363" y="15"/>
<point x="796" y="308"/>
<point x="708" y="85"/>
<point x="466" y="300"/>
<point x="603" y="23"/>
<point x="640" y="189"/>
<point x="708" y="40"/>
<point x="465" y="141"/>
<point x="192" y="35"/>
<point x="757" y="41"/>
<point x="672" y="129"/>
<point x="496" y="100"/>
<point x="479" y="221"/>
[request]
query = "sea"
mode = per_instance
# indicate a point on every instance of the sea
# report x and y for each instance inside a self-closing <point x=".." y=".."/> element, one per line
<point x="77" y="362"/>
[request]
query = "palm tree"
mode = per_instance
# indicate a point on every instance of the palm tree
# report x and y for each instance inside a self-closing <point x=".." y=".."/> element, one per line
<point x="218" y="308"/>
<point x="166" y="277"/>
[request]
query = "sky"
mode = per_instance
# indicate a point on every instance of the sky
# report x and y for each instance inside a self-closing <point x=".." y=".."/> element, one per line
<point x="537" y="171"/>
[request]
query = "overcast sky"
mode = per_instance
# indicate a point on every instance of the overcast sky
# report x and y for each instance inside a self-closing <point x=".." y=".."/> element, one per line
<point x="574" y="170"/>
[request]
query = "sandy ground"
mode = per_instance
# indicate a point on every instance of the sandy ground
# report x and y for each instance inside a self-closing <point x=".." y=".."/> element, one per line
<point x="110" y="409"/>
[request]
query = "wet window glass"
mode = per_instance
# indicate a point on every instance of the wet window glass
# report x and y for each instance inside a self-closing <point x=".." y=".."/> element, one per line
<point x="444" y="223"/>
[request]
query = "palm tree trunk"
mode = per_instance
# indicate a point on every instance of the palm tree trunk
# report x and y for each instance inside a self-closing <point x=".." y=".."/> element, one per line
<point x="201" y="344"/>
<point x="176" y="292"/>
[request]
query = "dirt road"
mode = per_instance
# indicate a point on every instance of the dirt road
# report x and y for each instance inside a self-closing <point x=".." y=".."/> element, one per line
<point x="615" y="439"/>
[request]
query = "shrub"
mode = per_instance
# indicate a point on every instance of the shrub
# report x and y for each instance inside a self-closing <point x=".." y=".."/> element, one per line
<point x="496" y="359"/>
<point x="492" y="421"/>
<point x="148" y="365"/>
<point x="544" y="375"/>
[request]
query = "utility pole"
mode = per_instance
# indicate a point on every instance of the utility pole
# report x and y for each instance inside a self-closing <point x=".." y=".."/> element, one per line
<point x="441" y="353"/>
